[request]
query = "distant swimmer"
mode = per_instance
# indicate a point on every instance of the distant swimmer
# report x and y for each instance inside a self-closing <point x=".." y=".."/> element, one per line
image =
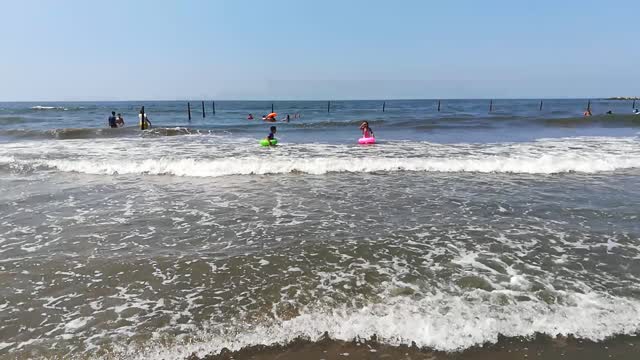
<point x="587" y="113"/>
<point x="609" y="112"/>
<point x="366" y="130"/>
<point x="119" y="120"/>
<point x="250" y="117"/>
<point x="147" y="122"/>
<point x="270" y="117"/>
<point x="288" y="118"/>
<point x="112" y="120"/>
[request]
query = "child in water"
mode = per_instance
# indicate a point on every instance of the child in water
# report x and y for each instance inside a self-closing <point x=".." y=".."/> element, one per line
<point x="272" y="135"/>
<point x="366" y="130"/>
<point x="120" y="120"/>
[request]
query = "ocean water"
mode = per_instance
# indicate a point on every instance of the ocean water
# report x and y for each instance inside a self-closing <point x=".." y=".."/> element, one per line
<point x="459" y="229"/>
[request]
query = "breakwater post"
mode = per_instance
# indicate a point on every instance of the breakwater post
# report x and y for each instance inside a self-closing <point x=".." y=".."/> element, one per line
<point x="589" y="106"/>
<point x="384" y="105"/>
<point x="328" y="106"/>
<point x="438" y="105"/>
<point x="189" y="110"/>
<point x="634" y="104"/>
<point x="213" y="106"/>
<point x="271" y="107"/>
<point x="203" y="113"/>
<point x="540" y="105"/>
<point x="491" y="106"/>
<point x="142" y="118"/>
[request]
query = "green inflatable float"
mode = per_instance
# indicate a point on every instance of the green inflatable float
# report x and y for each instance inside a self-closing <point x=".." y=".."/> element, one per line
<point x="265" y="142"/>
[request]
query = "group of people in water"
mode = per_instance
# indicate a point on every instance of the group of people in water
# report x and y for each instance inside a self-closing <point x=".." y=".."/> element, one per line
<point x="117" y="121"/>
<point x="588" y="112"/>
<point x="272" y="117"/>
<point x="364" y="127"/>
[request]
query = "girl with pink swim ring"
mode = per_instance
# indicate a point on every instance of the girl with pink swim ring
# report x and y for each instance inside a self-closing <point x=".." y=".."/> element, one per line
<point x="367" y="134"/>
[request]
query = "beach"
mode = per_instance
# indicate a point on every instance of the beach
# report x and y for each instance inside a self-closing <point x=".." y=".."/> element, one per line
<point x="461" y="234"/>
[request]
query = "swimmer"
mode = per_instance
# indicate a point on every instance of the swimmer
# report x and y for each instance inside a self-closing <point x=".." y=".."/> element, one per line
<point x="636" y="111"/>
<point x="288" y="118"/>
<point x="112" y="120"/>
<point x="366" y="130"/>
<point x="587" y="113"/>
<point x="272" y="135"/>
<point x="250" y="117"/>
<point x="119" y="120"/>
<point x="609" y="112"/>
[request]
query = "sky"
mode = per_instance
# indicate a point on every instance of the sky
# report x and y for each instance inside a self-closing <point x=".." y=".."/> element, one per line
<point x="331" y="49"/>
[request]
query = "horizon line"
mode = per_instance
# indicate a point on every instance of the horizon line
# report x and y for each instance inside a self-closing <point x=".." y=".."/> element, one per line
<point x="612" y="98"/>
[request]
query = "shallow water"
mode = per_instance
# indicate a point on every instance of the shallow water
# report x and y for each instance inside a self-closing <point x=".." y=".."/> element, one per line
<point x="142" y="245"/>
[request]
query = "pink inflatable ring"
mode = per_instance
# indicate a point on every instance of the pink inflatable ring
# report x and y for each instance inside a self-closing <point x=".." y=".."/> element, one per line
<point x="367" y="140"/>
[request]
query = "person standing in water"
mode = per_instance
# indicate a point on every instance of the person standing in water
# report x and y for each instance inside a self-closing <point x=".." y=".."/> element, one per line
<point x="147" y="122"/>
<point x="250" y="117"/>
<point x="119" y="120"/>
<point x="112" y="120"/>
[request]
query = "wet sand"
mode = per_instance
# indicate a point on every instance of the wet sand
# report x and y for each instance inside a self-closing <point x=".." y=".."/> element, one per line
<point x="541" y="347"/>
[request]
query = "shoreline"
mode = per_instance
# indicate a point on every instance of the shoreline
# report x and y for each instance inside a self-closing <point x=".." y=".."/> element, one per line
<point x="540" y="346"/>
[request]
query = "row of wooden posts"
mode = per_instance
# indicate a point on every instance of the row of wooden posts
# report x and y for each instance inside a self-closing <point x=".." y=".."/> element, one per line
<point x="384" y="107"/>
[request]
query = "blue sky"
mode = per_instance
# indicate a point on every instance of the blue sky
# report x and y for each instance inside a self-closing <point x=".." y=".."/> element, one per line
<point x="330" y="49"/>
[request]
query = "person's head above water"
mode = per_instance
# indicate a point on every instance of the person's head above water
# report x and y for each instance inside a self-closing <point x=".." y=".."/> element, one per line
<point x="273" y="129"/>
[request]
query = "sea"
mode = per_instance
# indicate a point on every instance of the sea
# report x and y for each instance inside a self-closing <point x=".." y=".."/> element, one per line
<point x="472" y="229"/>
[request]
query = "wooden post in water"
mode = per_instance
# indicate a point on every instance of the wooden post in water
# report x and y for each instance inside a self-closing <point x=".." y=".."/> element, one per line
<point x="271" y="107"/>
<point x="491" y="106"/>
<point x="328" y="106"/>
<point x="540" y="105"/>
<point x="213" y="105"/>
<point x="384" y="104"/>
<point x="438" y="105"/>
<point x="142" y="118"/>
<point x="189" y="110"/>
<point x="203" y="113"/>
<point x="634" y="104"/>
<point x="589" y="106"/>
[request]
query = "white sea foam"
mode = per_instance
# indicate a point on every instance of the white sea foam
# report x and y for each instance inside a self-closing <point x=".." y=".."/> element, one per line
<point x="195" y="157"/>
<point x="549" y="164"/>
<point x="440" y="322"/>
<point x="40" y="107"/>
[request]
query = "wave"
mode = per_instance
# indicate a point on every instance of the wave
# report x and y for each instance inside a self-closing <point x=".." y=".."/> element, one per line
<point x="41" y="107"/>
<point x="603" y="120"/>
<point x="97" y="133"/>
<point x="440" y="322"/>
<point x="190" y="167"/>
<point x="331" y="123"/>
